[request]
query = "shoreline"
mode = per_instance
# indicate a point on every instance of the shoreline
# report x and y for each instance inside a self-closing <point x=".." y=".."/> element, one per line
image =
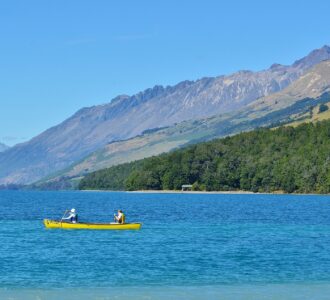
<point x="203" y="192"/>
<point x="189" y="192"/>
<point x="178" y="192"/>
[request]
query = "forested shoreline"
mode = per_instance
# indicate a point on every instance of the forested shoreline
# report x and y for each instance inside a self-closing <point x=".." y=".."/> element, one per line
<point x="293" y="160"/>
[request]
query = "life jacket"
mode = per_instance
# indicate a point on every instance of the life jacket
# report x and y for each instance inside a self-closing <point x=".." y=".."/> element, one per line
<point x="122" y="219"/>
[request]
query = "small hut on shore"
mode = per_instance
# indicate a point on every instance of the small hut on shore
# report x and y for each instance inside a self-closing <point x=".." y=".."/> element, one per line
<point x="186" y="187"/>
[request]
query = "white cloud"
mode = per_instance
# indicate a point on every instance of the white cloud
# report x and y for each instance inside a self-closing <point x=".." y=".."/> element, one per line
<point x="11" y="140"/>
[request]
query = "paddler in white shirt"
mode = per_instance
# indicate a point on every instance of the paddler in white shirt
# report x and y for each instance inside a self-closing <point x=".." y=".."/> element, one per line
<point x="73" y="216"/>
<point x="120" y="217"/>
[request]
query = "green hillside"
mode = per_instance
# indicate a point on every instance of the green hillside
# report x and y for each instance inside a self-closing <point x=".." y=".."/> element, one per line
<point x="286" y="159"/>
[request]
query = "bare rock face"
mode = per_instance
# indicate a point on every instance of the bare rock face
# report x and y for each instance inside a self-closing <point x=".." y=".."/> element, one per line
<point x="127" y="116"/>
<point x="313" y="58"/>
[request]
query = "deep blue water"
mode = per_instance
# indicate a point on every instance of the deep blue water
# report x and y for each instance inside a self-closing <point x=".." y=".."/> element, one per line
<point x="186" y="240"/>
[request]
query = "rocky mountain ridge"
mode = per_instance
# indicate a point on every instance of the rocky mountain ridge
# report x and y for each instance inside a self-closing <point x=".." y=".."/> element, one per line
<point x="289" y="106"/>
<point x="125" y="117"/>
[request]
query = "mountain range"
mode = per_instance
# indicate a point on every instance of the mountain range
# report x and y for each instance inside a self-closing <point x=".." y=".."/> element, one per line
<point x="299" y="102"/>
<point x="188" y="104"/>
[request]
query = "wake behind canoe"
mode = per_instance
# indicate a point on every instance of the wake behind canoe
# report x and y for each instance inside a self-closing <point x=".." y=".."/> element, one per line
<point x="101" y="226"/>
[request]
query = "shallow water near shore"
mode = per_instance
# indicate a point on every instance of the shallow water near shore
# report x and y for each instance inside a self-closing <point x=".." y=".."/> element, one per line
<point x="191" y="245"/>
<point x="237" y="292"/>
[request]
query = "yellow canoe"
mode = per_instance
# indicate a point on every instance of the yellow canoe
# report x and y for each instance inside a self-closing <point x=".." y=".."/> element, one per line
<point x="103" y="226"/>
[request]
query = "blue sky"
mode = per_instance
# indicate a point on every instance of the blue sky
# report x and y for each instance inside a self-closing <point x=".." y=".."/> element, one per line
<point x="59" y="56"/>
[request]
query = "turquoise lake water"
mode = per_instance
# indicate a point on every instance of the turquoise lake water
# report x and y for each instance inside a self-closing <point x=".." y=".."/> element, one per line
<point x="191" y="246"/>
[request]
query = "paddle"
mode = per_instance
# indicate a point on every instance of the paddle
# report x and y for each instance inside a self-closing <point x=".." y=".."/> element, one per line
<point x="63" y="216"/>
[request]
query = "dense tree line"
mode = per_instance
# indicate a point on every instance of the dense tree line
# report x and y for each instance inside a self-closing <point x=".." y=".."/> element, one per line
<point x="285" y="159"/>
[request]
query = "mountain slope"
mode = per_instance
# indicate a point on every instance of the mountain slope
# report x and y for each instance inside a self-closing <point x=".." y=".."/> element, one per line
<point x="3" y="147"/>
<point x="293" y="104"/>
<point x="125" y="117"/>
